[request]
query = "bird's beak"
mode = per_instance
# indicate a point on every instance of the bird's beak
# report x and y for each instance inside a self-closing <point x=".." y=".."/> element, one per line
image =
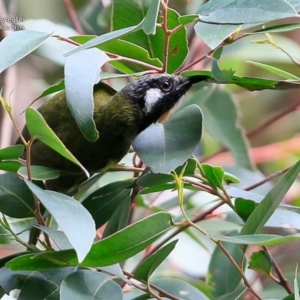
<point x="187" y="82"/>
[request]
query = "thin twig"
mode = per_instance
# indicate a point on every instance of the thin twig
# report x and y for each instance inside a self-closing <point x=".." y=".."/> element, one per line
<point x="282" y="280"/>
<point x="161" y="292"/>
<point x="268" y="178"/>
<point x="73" y="16"/>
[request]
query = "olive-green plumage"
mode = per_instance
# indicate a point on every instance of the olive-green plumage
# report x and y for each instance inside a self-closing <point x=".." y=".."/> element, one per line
<point x="119" y="118"/>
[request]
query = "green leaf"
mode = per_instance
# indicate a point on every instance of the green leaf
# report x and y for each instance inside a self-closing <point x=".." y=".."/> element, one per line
<point x="105" y="38"/>
<point x="160" y="145"/>
<point x="10" y="166"/>
<point x="236" y="294"/>
<point x="244" y="207"/>
<point x="221" y="33"/>
<point x="97" y="286"/>
<point x="276" y="71"/>
<point x="184" y="20"/>
<point x="271" y="201"/>
<point x="261" y="262"/>
<point x="257" y="239"/>
<point x="149" y="24"/>
<point x="11" y="152"/>
<point x="36" y="286"/>
<point x="128" y="13"/>
<point x="8" y="156"/>
<point x="120" y="216"/>
<point x="249" y="83"/>
<point x="229" y="178"/>
<point x="71" y="216"/>
<point x="214" y="175"/>
<point x="240" y="12"/>
<point x="130" y="50"/>
<point x="79" y="89"/>
<point x="59" y="237"/>
<point x="179" y="288"/>
<point x="279" y="28"/>
<point x="125" y="49"/>
<point x="102" y="203"/>
<point x="113" y="249"/>
<point x="39" y="129"/>
<point x="20" y="43"/>
<point x="149" y="179"/>
<point x="50" y="90"/>
<point x="220" y="266"/>
<point x="39" y="173"/>
<point x="151" y="263"/>
<point x="16" y="200"/>
<point x="219" y="74"/>
<point x="178" y="45"/>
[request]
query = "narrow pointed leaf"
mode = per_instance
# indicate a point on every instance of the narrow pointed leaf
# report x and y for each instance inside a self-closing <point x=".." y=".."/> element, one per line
<point x="149" y="265"/>
<point x="20" y="43"/>
<point x="105" y="38"/>
<point x="214" y="174"/>
<point x="39" y="129"/>
<point x="271" y="201"/>
<point x="11" y="152"/>
<point x="149" y="24"/>
<point x="111" y="250"/>
<point x="10" y="166"/>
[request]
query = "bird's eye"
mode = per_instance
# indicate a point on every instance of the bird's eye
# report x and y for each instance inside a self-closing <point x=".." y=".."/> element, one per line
<point x="166" y="85"/>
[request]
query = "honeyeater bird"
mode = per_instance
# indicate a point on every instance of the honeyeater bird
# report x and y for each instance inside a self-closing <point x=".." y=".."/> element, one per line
<point x="119" y="118"/>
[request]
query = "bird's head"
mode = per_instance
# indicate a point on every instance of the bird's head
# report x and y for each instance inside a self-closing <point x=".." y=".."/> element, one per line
<point x="157" y="94"/>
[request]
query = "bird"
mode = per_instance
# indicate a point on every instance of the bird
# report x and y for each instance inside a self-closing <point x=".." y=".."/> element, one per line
<point x="119" y="118"/>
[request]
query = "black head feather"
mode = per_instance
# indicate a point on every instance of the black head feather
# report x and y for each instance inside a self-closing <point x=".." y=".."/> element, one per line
<point x="157" y="94"/>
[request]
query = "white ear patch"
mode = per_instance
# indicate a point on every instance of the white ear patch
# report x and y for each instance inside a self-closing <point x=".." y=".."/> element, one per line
<point x="151" y="97"/>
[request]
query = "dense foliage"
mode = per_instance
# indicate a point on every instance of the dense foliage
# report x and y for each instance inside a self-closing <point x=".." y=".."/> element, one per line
<point x="209" y="206"/>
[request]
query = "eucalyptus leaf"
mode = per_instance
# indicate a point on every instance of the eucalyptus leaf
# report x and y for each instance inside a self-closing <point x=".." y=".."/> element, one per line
<point x="149" y="24"/>
<point x="39" y="129"/>
<point x="20" y="43"/>
<point x="233" y="12"/>
<point x="11" y="152"/>
<point x="179" y="288"/>
<point x="111" y="250"/>
<point x="105" y="38"/>
<point x="16" y="199"/>
<point x="39" y="173"/>
<point x="10" y="166"/>
<point x="120" y="216"/>
<point x="271" y="201"/>
<point x="89" y="285"/>
<point x="261" y="262"/>
<point x="79" y="89"/>
<point x="72" y="217"/>
<point x="219" y="267"/>
<point x="148" y="266"/>
<point x="160" y="146"/>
